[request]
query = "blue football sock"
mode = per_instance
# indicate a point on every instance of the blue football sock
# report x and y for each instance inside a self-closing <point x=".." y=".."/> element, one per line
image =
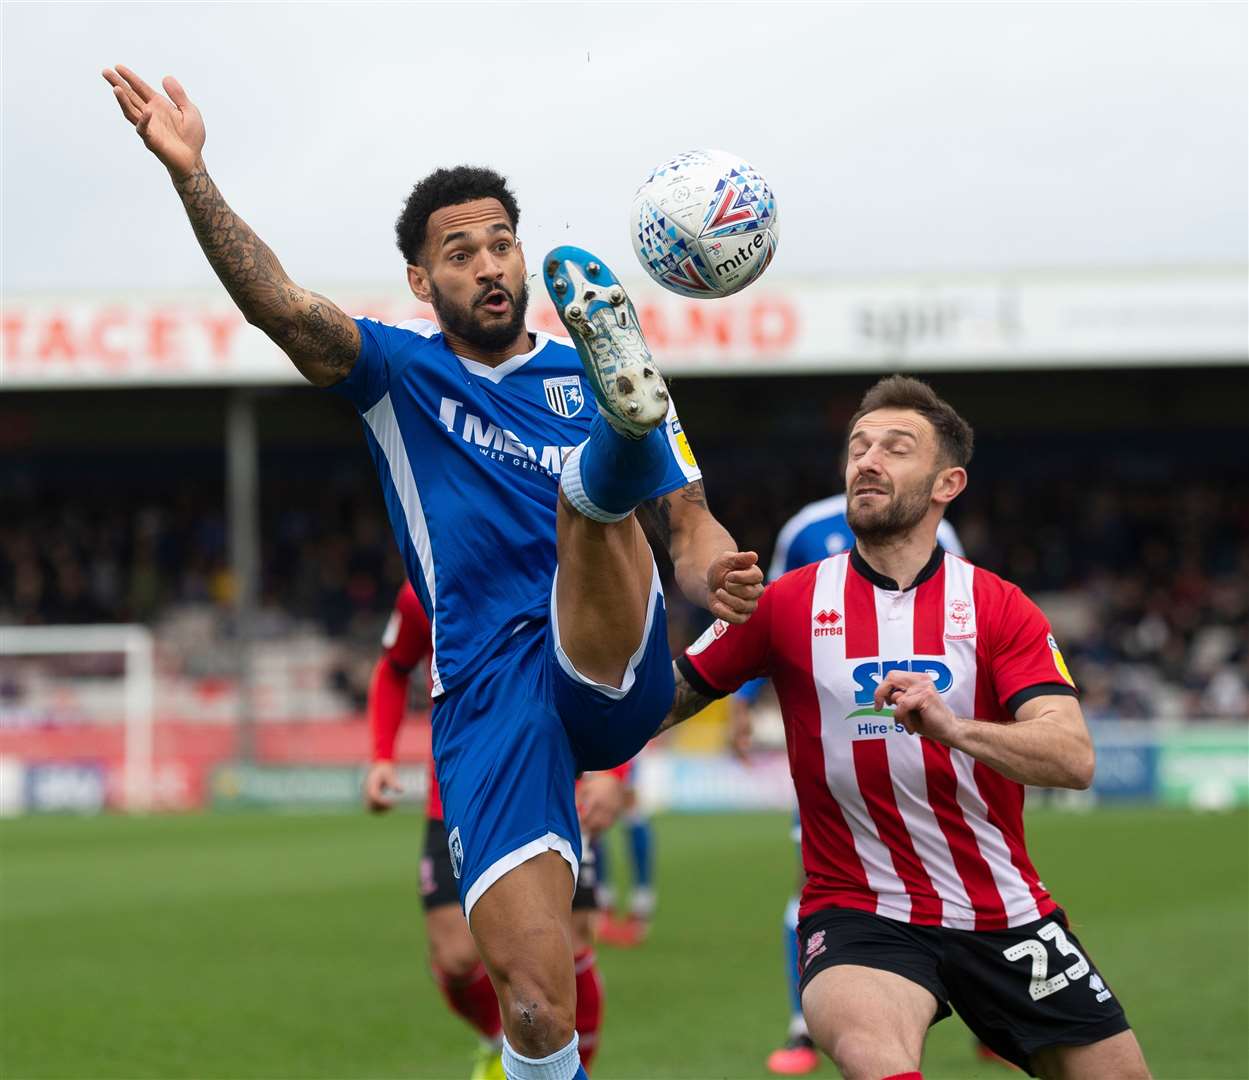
<point x="605" y="891"/>
<point x="791" y="955"/>
<point x="642" y="848"/>
<point x="609" y="474"/>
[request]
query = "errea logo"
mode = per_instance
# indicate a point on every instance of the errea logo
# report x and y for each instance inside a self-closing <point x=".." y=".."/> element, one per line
<point x="827" y="624"/>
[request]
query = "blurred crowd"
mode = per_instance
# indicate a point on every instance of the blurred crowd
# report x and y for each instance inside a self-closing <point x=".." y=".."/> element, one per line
<point x="1147" y="587"/>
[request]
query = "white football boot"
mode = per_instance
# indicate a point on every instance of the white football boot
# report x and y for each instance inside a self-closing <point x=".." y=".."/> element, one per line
<point x="601" y="320"/>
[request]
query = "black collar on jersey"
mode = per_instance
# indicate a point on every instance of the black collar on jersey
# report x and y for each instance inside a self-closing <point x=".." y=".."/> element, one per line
<point x="882" y="582"/>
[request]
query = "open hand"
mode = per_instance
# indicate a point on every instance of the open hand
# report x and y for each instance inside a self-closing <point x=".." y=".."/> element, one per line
<point x="917" y="705"/>
<point x="380" y="786"/>
<point x="600" y="799"/>
<point x="740" y="732"/>
<point x="171" y="127"/>
<point x="734" y="585"/>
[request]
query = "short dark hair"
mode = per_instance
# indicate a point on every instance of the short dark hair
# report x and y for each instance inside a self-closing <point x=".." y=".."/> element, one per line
<point x="448" y="187"/>
<point x="955" y="438"/>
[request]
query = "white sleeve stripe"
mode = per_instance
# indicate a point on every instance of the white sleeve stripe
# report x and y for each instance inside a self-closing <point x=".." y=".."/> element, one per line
<point x="385" y="429"/>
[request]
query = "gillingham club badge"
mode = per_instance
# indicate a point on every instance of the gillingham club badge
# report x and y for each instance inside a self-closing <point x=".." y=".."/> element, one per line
<point x="564" y="395"/>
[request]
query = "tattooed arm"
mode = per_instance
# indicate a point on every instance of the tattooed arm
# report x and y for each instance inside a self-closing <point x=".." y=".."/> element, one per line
<point x="711" y="571"/>
<point x="685" y="703"/>
<point x="319" y="338"/>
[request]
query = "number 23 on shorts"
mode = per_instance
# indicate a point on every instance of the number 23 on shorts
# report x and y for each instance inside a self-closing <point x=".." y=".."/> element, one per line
<point x="1041" y="986"/>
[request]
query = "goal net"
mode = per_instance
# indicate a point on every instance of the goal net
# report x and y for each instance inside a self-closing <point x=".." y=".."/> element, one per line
<point x="76" y="719"/>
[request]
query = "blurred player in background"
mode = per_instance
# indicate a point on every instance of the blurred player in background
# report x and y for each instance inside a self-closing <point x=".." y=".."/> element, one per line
<point x="818" y="530"/>
<point x="513" y="507"/>
<point x="920" y="895"/>
<point x="630" y="929"/>
<point x="453" y="957"/>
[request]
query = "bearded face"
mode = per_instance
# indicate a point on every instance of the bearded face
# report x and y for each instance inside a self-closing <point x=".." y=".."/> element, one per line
<point x="879" y="509"/>
<point x="478" y="322"/>
<point x="472" y="272"/>
<point x="898" y="480"/>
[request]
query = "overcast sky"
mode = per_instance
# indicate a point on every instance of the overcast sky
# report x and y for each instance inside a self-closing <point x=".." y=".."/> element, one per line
<point x="897" y="137"/>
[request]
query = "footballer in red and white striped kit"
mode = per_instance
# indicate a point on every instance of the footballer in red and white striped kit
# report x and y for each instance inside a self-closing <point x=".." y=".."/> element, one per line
<point x="920" y="693"/>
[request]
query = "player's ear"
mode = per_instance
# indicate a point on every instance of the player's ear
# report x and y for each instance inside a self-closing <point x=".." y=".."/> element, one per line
<point x="949" y="484"/>
<point x="418" y="282"/>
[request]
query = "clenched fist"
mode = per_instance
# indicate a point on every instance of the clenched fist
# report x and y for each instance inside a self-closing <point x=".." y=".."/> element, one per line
<point x="734" y="585"/>
<point x="917" y="705"/>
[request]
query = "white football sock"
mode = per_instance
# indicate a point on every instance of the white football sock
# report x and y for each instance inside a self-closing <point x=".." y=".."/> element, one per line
<point x="561" y="1065"/>
<point x="642" y="902"/>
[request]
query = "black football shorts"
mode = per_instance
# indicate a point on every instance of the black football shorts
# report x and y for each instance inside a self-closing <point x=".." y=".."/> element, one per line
<point x="1019" y="990"/>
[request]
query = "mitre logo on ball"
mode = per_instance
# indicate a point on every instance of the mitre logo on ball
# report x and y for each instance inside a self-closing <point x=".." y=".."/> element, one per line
<point x="704" y="224"/>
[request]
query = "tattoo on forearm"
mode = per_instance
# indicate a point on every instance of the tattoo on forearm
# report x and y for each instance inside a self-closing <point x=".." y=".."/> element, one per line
<point x="685" y="702"/>
<point x="656" y="519"/>
<point x="308" y="327"/>
<point x="695" y="493"/>
<point x="656" y="515"/>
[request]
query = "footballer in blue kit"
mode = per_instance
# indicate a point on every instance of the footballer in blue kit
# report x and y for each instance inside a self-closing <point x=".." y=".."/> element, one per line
<point x="500" y="676"/>
<point x="511" y="465"/>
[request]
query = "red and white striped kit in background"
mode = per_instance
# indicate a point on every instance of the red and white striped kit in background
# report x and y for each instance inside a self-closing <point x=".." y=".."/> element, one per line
<point x="892" y="823"/>
<point x="407" y="642"/>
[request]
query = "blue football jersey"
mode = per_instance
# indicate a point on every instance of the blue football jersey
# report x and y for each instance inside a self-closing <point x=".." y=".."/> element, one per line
<point x="819" y="530"/>
<point x="469" y="458"/>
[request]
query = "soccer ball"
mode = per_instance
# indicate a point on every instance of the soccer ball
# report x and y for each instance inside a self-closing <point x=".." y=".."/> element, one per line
<point x="704" y="224"/>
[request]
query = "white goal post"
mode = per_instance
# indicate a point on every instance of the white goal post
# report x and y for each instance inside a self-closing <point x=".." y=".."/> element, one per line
<point x="135" y="643"/>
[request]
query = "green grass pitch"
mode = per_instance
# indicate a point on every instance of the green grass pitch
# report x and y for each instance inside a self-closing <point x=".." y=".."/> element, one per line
<point x="255" y="945"/>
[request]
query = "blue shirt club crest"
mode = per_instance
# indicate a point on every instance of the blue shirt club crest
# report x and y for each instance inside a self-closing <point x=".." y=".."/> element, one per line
<point x="564" y="396"/>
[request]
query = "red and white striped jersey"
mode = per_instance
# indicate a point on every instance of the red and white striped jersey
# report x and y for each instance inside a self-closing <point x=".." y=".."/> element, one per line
<point x="892" y="823"/>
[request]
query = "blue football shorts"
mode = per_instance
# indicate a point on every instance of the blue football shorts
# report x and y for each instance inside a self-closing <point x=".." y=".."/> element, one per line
<point x="509" y="742"/>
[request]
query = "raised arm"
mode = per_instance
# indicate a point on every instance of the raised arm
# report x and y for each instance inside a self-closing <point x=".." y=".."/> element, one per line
<point x="320" y="339"/>
<point x="711" y="571"/>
